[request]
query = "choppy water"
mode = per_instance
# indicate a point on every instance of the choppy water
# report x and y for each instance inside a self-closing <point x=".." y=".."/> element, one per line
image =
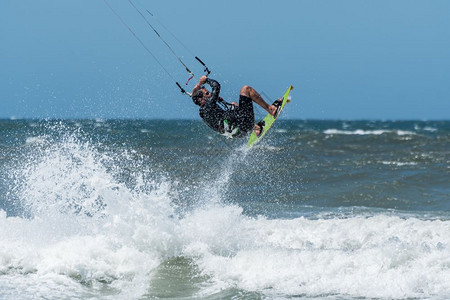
<point x="167" y="209"/>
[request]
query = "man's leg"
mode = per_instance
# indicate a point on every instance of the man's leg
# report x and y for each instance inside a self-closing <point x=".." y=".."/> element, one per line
<point x="253" y="94"/>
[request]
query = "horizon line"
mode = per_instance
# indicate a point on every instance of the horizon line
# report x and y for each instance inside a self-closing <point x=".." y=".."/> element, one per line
<point x="100" y="119"/>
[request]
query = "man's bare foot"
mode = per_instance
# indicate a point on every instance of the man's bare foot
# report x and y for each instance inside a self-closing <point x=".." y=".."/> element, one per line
<point x="272" y="110"/>
<point x="257" y="129"/>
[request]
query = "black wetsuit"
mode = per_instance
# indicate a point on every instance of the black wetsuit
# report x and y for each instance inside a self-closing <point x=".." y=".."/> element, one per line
<point x="225" y="118"/>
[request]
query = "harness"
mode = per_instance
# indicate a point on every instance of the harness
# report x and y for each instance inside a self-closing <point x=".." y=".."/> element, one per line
<point x="227" y="130"/>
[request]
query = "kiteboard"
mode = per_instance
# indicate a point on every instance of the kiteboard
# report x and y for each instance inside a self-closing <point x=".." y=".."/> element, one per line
<point x="268" y="121"/>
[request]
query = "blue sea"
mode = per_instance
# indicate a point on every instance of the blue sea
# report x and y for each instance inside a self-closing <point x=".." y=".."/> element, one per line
<point x="167" y="209"/>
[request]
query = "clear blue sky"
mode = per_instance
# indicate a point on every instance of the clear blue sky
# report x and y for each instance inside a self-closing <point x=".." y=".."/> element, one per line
<point x="347" y="59"/>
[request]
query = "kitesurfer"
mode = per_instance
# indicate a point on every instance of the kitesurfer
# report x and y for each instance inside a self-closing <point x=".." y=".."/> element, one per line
<point x="229" y="119"/>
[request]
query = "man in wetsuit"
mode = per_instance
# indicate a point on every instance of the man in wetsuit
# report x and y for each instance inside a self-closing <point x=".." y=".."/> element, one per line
<point x="229" y="119"/>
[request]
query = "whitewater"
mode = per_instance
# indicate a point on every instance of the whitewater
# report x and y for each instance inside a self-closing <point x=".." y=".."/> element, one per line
<point x="127" y="210"/>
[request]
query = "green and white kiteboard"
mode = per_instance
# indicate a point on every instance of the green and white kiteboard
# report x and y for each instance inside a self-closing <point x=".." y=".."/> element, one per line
<point x="269" y="120"/>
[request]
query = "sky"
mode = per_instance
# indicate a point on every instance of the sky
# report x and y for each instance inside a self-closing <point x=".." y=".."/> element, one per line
<point x="348" y="59"/>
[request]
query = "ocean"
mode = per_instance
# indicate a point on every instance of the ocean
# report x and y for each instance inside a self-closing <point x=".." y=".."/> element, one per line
<point x="167" y="209"/>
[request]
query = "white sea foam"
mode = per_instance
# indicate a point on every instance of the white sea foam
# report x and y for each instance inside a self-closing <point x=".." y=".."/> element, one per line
<point x="367" y="132"/>
<point x="430" y="129"/>
<point x="87" y="233"/>
<point x="382" y="256"/>
<point x="281" y="130"/>
<point x="90" y="235"/>
<point x="34" y="140"/>
<point x="398" y="163"/>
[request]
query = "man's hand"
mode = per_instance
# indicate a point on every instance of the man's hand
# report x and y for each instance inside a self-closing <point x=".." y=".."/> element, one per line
<point x="202" y="80"/>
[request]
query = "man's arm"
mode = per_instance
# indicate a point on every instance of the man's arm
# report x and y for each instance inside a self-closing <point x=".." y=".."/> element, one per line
<point x="199" y="84"/>
<point x="215" y="88"/>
